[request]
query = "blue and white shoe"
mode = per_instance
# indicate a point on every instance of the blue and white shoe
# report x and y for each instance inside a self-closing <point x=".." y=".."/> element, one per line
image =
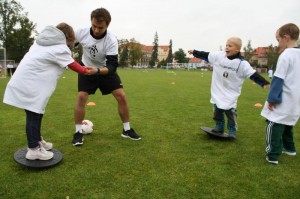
<point x="287" y="152"/>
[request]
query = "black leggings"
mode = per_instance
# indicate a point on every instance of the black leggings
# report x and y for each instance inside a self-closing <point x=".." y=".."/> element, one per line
<point x="33" y="128"/>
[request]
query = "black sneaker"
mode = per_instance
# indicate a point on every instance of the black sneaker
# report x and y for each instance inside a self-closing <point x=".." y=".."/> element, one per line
<point x="130" y="134"/>
<point x="77" y="139"/>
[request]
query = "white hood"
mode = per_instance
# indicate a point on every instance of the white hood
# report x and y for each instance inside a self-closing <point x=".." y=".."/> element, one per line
<point x="51" y="36"/>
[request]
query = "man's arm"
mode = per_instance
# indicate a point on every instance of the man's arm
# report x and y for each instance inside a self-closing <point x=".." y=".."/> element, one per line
<point x="111" y="65"/>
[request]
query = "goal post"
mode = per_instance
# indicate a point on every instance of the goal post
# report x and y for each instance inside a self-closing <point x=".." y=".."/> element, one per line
<point x="3" y="68"/>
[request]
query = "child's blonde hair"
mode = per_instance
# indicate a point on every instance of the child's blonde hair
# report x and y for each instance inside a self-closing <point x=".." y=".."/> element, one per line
<point x="236" y="41"/>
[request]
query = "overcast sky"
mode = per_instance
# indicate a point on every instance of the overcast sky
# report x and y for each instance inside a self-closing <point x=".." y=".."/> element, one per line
<point x="191" y="24"/>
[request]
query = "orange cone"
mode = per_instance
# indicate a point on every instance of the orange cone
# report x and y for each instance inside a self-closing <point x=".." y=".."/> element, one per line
<point x="258" y="105"/>
<point x="91" y="104"/>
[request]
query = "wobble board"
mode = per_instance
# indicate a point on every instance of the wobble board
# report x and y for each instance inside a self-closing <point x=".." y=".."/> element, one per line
<point x="216" y="135"/>
<point x="20" y="158"/>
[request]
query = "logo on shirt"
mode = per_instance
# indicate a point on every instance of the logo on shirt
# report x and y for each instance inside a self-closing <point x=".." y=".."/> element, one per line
<point x="225" y="74"/>
<point x="93" y="50"/>
<point x="230" y="68"/>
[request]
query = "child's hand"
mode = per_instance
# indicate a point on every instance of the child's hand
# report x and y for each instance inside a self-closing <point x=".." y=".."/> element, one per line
<point x="190" y="52"/>
<point x="91" y="70"/>
<point x="271" y="106"/>
<point x="266" y="86"/>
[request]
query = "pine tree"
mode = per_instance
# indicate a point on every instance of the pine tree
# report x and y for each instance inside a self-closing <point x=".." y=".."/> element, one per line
<point x="248" y="51"/>
<point x="154" y="56"/>
<point x="170" y="54"/>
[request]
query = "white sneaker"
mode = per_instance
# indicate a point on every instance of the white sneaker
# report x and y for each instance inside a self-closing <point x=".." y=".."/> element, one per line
<point x="39" y="154"/>
<point x="46" y="145"/>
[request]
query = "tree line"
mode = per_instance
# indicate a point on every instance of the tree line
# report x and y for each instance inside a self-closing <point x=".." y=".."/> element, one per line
<point x="17" y="34"/>
<point x="131" y="53"/>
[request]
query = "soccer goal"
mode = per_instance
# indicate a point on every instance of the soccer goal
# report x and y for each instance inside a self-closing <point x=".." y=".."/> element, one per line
<point x="176" y="65"/>
<point x="3" y="69"/>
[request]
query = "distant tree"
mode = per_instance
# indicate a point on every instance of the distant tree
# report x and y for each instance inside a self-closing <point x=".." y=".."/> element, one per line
<point x="135" y="52"/>
<point x="151" y="63"/>
<point x="124" y="57"/>
<point x="122" y="43"/>
<point x="248" y="51"/>
<point x="19" y="42"/>
<point x="154" y="55"/>
<point x="130" y="52"/>
<point x="272" y="56"/>
<point x="16" y="34"/>
<point x="180" y="56"/>
<point x="170" y="54"/>
<point x="123" y="52"/>
<point x="162" y="63"/>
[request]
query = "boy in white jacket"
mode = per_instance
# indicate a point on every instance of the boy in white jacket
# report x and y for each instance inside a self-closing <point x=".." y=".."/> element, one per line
<point x="230" y="70"/>
<point x="282" y="108"/>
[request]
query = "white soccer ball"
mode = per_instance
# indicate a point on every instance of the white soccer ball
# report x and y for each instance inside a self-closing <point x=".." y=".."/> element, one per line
<point x="87" y="127"/>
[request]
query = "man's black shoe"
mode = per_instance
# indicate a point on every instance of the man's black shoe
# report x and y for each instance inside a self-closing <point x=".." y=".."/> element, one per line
<point x="130" y="134"/>
<point x="77" y="139"/>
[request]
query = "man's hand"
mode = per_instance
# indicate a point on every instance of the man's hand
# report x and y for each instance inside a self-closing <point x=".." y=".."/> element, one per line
<point x="91" y="70"/>
<point x="271" y="106"/>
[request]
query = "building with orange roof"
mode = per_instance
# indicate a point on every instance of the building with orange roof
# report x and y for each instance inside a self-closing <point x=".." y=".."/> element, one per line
<point x="162" y="54"/>
<point x="197" y="63"/>
<point x="260" y="56"/>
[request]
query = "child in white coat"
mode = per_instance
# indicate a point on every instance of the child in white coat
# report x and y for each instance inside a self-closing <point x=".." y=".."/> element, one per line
<point x="35" y="80"/>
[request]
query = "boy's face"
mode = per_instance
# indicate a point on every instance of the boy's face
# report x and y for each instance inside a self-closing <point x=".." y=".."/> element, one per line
<point x="98" y="27"/>
<point x="231" y="48"/>
<point x="282" y="41"/>
<point x="71" y="40"/>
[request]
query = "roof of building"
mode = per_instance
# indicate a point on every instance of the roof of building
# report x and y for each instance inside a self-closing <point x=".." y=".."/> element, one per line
<point x="150" y="48"/>
<point x="261" y="51"/>
<point x="194" y="60"/>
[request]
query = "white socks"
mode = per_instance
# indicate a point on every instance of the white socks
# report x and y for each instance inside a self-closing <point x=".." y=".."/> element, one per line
<point x="126" y="126"/>
<point x="78" y="128"/>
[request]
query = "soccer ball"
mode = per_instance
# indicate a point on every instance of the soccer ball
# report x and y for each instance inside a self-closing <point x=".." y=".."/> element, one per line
<point x="87" y="127"/>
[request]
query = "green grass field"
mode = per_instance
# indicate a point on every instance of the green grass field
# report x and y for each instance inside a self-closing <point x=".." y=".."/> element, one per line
<point x="174" y="159"/>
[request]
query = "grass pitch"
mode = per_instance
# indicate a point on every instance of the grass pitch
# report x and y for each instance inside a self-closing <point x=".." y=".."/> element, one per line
<point x="174" y="159"/>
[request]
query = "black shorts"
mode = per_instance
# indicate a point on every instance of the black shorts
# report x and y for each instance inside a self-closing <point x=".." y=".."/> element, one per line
<point x="106" y="83"/>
